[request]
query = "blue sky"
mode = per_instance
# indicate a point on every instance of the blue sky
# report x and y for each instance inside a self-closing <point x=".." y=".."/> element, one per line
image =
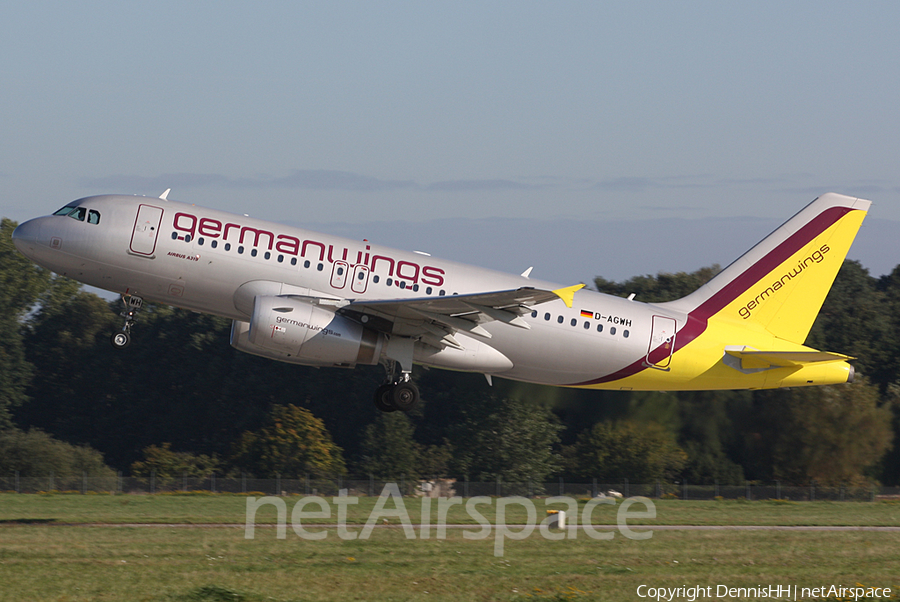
<point x="417" y="111"/>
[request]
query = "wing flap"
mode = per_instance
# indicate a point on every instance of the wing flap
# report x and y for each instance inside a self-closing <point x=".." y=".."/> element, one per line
<point x="458" y="312"/>
<point x="517" y="300"/>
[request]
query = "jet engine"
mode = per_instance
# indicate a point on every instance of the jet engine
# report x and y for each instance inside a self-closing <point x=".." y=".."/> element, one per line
<point x="298" y="332"/>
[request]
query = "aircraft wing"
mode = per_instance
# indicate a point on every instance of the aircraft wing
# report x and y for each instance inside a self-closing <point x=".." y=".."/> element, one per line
<point x="434" y="320"/>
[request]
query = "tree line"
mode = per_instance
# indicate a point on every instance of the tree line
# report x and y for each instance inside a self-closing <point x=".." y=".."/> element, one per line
<point x="181" y="400"/>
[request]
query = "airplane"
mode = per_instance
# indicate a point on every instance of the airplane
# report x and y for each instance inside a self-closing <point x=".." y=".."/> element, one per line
<point x="313" y="299"/>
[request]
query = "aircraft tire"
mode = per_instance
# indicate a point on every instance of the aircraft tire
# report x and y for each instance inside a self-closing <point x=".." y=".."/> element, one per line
<point x="384" y="399"/>
<point x="120" y="340"/>
<point x="405" y="396"/>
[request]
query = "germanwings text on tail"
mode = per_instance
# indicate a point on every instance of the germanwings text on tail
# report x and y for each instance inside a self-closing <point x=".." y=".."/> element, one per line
<point x="318" y="300"/>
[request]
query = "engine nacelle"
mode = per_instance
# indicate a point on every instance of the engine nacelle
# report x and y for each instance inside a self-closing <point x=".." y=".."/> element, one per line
<point x="297" y="332"/>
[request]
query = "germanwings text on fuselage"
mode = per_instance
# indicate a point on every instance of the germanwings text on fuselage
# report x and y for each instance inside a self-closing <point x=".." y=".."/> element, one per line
<point x="190" y="226"/>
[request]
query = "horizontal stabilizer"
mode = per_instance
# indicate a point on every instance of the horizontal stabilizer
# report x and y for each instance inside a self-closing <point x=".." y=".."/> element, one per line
<point x="752" y="359"/>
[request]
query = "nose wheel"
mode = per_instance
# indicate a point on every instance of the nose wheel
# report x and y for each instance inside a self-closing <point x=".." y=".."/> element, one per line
<point x="122" y="339"/>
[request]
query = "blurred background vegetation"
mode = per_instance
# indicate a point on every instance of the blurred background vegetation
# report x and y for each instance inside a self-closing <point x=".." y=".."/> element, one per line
<point x="181" y="400"/>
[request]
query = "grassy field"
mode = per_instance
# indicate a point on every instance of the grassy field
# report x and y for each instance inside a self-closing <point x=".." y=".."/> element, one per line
<point x="42" y="560"/>
<point x="223" y="508"/>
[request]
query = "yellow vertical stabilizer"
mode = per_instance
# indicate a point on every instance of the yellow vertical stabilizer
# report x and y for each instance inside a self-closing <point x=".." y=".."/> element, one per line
<point x="787" y="299"/>
<point x="779" y="285"/>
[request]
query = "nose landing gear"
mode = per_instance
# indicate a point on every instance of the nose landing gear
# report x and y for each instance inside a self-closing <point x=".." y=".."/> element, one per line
<point x="122" y="339"/>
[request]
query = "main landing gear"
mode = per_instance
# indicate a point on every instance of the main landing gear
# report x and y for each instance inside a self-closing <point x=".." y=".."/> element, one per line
<point x="398" y="394"/>
<point x="122" y="339"/>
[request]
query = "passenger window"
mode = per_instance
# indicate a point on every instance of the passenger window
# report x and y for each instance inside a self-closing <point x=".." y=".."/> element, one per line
<point x="375" y="279"/>
<point x="269" y="256"/>
<point x="340" y="271"/>
<point x="547" y="317"/>
<point x="306" y="263"/>
<point x="280" y="258"/>
<point x="253" y="253"/>
<point x="320" y="266"/>
<point x="587" y="325"/>
<point x="240" y="249"/>
<point x="560" y="319"/>
<point x="200" y="241"/>
<point x="93" y="217"/>
<point x="599" y="327"/>
<point x="442" y="293"/>
<point x="214" y="243"/>
<point x="534" y="314"/>
<point x="390" y="281"/>
<point x="612" y="330"/>
<point x="227" y="246"/>
<point x="625" y="333"/>
<point x="428" y="290"/>
<point x="574" y="321"/>
<point x="293" y="261"/>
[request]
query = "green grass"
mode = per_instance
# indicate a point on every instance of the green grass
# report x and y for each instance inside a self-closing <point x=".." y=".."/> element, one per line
<point x="42" y="560"/>
<point x="76" y="563"/>
<point x="223" y="508"/>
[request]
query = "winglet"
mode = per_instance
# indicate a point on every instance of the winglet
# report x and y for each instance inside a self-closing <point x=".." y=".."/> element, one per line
<point x="567" y="294"/>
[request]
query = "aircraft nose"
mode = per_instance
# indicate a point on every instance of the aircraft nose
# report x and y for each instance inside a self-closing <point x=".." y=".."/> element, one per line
<point x="26" y="236"/>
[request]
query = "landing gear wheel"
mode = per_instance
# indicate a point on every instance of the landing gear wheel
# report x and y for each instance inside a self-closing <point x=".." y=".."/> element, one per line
<point x="398" y="392"/>
<point x="405" y="396"/>
<point x="120" y="340"/>
<point x="383" y="398"/>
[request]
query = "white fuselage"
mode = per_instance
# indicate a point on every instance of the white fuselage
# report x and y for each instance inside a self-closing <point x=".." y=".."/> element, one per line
<point x="216" y="262"/>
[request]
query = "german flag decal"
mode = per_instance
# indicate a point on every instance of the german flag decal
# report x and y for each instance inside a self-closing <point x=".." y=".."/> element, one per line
<point x="587" y="314"/>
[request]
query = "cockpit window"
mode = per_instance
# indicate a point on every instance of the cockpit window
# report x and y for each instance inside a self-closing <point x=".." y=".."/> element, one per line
<point x="75" y="213"/>
<point x="93" y="217"/>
